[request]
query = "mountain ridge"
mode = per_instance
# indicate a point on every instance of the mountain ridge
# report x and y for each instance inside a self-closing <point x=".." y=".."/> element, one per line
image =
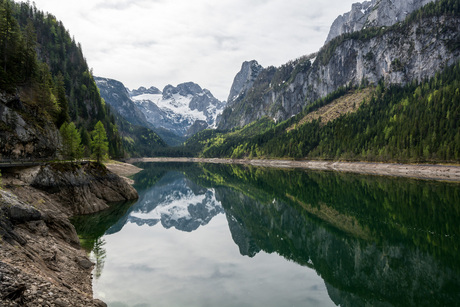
<point x="411" y="50"/>
<point x="374" y="13"/>
<point x="175" y="113"/>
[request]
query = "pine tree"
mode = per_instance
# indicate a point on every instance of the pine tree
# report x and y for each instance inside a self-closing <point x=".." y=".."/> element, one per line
<point x="63" y="115"/>
<point x="85" y="140"/>
<point x="99" y="143"/>
<point x="72" y="147"/>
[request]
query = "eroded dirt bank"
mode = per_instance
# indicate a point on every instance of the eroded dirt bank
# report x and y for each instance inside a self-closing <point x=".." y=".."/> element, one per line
<point x="420" y="171"/>
<point x="41" y="262"/>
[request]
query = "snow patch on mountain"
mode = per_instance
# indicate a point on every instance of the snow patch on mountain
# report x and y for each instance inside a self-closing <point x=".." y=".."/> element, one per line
<point x="178" y="108"/>
<point x="177" y="104"/>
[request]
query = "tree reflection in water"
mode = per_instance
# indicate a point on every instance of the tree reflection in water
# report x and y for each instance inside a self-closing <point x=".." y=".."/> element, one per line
<point x="374" y="240"/>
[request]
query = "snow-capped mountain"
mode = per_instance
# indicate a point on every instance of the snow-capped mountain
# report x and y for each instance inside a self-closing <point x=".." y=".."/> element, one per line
<point x="116" y="95"/>
<point x="174" y="113"/>
<point x="178" y="108"/>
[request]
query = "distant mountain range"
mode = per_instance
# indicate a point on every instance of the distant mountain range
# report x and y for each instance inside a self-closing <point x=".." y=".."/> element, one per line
<point x="379" y="44"/>
<point x="174" y="113"/>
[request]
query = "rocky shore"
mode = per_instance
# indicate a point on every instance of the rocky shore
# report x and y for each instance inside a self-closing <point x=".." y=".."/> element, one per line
<point x="41" y="262"/>
<point x="419" y="171"/>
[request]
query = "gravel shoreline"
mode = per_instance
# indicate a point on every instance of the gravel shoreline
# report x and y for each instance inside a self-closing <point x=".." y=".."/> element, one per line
<point x="418" y="171"/>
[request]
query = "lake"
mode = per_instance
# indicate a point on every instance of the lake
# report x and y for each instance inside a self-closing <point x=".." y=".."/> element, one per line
<point x="228" y="235"/>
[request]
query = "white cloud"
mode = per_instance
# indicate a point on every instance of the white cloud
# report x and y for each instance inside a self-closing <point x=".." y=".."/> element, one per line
<point x="161" y="42"/>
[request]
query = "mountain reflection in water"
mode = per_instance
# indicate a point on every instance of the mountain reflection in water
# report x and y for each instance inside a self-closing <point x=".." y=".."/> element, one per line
<point x="374" y="241"/>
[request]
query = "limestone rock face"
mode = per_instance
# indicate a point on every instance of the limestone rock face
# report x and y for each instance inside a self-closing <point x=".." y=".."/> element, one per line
<point x="375" y="13"/>
<point x="244" y="80"/>
<point x="23" y="135"/>
<point x="83" y="189"/>
<point x="398" y="55"/>
<point x="41" y="262"/>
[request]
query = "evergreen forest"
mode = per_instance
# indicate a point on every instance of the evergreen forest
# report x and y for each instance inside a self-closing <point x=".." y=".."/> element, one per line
<point x="42" y="64"/>
<point x="418" y="122"/>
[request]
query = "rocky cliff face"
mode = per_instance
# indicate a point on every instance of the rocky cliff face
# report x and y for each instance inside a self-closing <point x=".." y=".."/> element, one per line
<point x="375" y="13"/>
<point x="115" y="93"/>
<point x="244" y="80"/>
<point x="41" y="262"/>
<point x="142" y="90"/>
<point x="398" y="55"/>
<point x="82" y="189"/>
<point x="23" y="135"/>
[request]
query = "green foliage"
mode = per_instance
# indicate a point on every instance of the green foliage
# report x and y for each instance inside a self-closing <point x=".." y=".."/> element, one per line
<point x="269" y="79"/>
<point x="415" y="123"/>
<point x="99" y="143"/>
<point x="212" y="143"/>
<point x="433" y="9"/>
<point x="40" y="60"/>
<point x="379" y="206"/>
<point x="17" y="48"/>
<point x="62" y="115"/>
<point x="138" y="141"/>
<point x="72" y="148"/>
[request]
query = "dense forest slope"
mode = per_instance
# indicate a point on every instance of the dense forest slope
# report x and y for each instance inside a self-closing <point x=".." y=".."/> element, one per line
<point x="415" y="123"/>
<point x="45" y="82"/>
<point x="414" y="49"/>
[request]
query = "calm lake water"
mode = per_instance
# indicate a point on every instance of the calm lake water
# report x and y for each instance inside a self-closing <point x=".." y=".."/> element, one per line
<point x="225" y="235"/>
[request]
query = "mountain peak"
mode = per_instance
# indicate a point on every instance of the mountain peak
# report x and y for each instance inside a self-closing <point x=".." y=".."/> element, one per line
<point x="183" y="89"/>
<point x="177" y="108"/>
<point x="142" y="90"/>
<point x="374" y="13"/>
<point x="244" y="79"/>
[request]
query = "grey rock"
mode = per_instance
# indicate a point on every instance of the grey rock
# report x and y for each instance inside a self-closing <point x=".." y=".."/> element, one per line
<point x="375" y="13"/>
<point x="99" y="303"/>
<point x="116" y="94"/>
<point x="142" y="90"/>
<point x="25" y="139"/>
<point x="60" y="303"/>
<point x="85" y="263"/>
<point x="422" y="48"/>
<point x="84" y="189"/>
<point x="198" y="126"/>
<point x="21" y="215"/>
<point x="244" y="80"/>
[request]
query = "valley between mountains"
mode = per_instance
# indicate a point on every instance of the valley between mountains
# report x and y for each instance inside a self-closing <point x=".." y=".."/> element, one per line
<point x="380" y="97"/>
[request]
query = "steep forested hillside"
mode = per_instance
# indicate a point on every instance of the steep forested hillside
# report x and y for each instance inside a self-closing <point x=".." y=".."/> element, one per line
<point x="415" y="123"/>
<point x="43" y="67"/>
<point x="387" y="95"/>
<point x="413" y="49"/>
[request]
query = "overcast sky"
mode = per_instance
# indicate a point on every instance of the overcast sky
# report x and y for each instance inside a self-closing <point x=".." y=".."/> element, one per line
<point x="160" y="42"/>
